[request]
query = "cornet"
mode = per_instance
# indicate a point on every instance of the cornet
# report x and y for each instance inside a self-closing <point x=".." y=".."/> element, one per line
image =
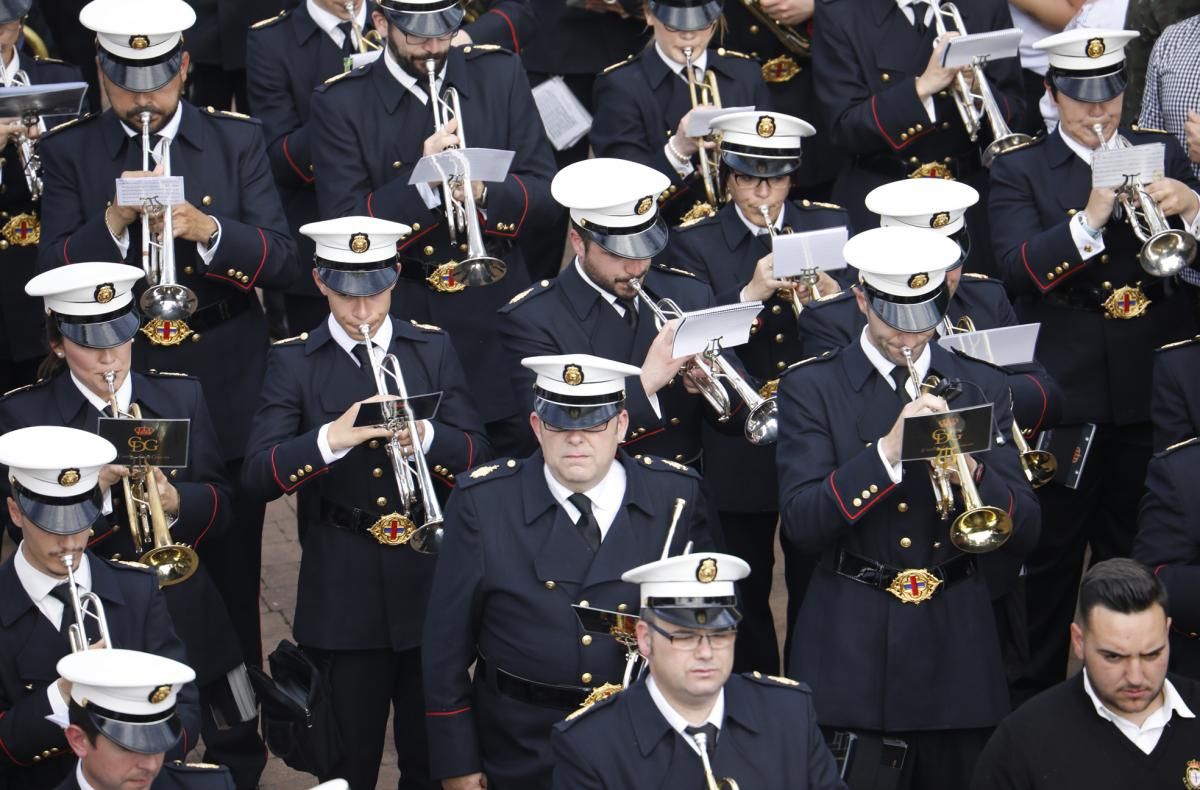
<point x="361" y="42"/>
<point x="980" y="528"/>
<point x="1165" y="251"/>
<point x="762" y="424"/>
<point x="173" y="562"/>
<point x="31" y="163"/>
<point x="86" y="605"/>
<point x="710" y="781"/>
<point x="808" y="276"/>
<point x="978" y="105"/>
<point x="165" y="301"/>
<point x="704" y="94"/>
<point x="462" y="216"/>
<point x="413" y="483"/>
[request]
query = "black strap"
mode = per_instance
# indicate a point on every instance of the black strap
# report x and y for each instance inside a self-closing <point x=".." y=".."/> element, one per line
<point x="587" y="520"/>
<point x="63" y="593"/>
<point x="710" y="733"/>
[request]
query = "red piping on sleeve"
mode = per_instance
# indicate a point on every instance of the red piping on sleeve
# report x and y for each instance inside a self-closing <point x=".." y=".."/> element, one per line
<point x="4" y="746"/>
<point x="511" y="28"/>
<point x="524" y="211"/>
<point x="446" y="712"/>
<point x="370" y="211"/>
<point x="842" y="504"/>
<point x="1038" y="426"/>
<point x="66" y="257"/>
<point x="211" y="518"/>
<point x="289" y="489"/>
<point x="287" y="155"/>
<point x="643" y="436"/>
<point x="470" y="449"/>
<point x="247" y="286"/>
<point x="411" y="239"/>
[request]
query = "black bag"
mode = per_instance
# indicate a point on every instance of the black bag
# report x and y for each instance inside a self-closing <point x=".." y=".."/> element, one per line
<point x="297" y="712"/>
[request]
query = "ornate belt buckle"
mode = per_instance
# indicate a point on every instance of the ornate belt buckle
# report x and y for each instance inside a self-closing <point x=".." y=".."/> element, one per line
<point x="780" y="69"/>
<point x="1128" y="301"/>
<point x="914" y="585"/>
<point x="166" y="333"/>
<point x="932" y="170"/>
<point x="393" y="529"/>
<point x="22" y="230"/>
<point x="442" y="279"/>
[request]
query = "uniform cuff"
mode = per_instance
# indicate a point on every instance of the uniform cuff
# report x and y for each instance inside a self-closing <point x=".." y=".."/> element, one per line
<point x="328" y="455"/>
<point x="894" y="471"/>
<point x="1087" y="245"/>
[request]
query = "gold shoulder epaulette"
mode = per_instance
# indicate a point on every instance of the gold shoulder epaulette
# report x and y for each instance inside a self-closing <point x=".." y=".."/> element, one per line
<point x="337" y="77"/>
<point x="426" y="327"/>
<point x="976" y="276"/>
<point x="733" y="53"/>
<point x="1180" y="343"/>
<point x="301" y="337"/>
<point x="467" y="50"/>
<point x="156" y="372"/>
<point x="518" y="297"/>
<point x="818" y="204"/>
<point x="21" y="388"/>
<point x="41" y="59"/>
<point x="141" y="566"/>
<point x="67" y="124"/>
<point x="598" y="694"/>
<point x="773" y="680"/>
<point x="691" y="220"/>
<point x="269" y="20"/>
<point x="227" y="114"/>
<point x="673" y="270"/>
<point x="1136" y="128"/>
<point x="803" y="362"/>
<point x="1184" y="443"/>
<point x="200" y="766"/>
<point x="828" y="297"/>
<point x="617" y="65"/>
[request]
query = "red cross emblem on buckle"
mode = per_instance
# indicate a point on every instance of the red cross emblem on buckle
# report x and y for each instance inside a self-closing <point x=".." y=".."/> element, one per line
<point x="914" y="585"/>
<point x="166" y="333"/>
<point x="24" y="229"/>
<point x="1128" y="301"/>
<point x="443" y="281"/>
<point x="392" y="529"/>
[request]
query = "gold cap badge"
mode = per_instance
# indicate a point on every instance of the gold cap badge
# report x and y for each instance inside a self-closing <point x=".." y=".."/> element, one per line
<point x="360" y="243"/>
<point x="104" y="293"/>
<point x="940" y="219"/>
<point x="1095" y="47"/>
<point x="68" y="477"/>
<point x="139" y="42"/>
<point x="644" y="205"/>
<point x="918" y="280"/>
<point x="159" y="694"/>
<point x="573" y="375"/>
<point x="706" y="571"/>
<point x="766" y="126"/>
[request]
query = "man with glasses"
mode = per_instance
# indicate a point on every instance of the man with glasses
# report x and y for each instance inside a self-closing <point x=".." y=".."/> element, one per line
<point x="525" y="541"/>
<point x="689" y="720"/>
<point x="373" y="125"/>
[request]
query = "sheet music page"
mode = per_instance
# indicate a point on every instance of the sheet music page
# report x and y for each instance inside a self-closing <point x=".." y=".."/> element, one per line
<point x="565" y="119"/>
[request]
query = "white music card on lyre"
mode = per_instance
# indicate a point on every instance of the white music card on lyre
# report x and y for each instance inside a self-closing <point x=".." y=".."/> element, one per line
<point x="484" y="164"/>
<point x="1111" y="166"/>
<point x="152" y="190"/>
<point x="1004" y="345"/>
<point x="821" y="250"/>
<point x="700" y="119"/>
<point x="986" y="46"/>
<point x="726" y="326"/>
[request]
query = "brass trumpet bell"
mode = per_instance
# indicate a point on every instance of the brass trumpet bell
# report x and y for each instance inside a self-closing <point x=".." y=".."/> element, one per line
<point x="981" y="529"/>
<point x="1040" y="467"/>
<point x="174" y="563"/>
<point x="168" y="301"/>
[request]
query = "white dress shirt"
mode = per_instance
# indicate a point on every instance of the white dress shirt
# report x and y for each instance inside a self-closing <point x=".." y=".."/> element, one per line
<point x="8" y="71"/>
<point x="906" y="8"/>
<point x="1146" y="736"/>
<point x="682" y="167"/>
<point x="37" y="586"/>
<point x="606" y="496"/>
<point x="885" y="366"/>
<point x="715" y="716"/>
<point x="329" y="22"/>
<point x="124" y="398"/>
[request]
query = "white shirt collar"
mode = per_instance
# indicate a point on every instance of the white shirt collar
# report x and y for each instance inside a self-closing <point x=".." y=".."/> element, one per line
<point x="407" y="80"/>
<point x="1150" y="730"/>
<point x="1079" y="149"/>
<point x="329" y="22"/>
<point x="755" y="229"/>
<point x="608" y="297"/>
<point x="9" y="70"/>
<point x="698" y="62"/>
<point x="124" y="393"/>
<point x="606" y="496"/>
<point x="38" y="585"/>
<point x="382" y="337"/>
<point x="884" y="365"/>
<point x="169" y="130"/>
<point x="716" y="716"/>
<point x="79" y="777"/>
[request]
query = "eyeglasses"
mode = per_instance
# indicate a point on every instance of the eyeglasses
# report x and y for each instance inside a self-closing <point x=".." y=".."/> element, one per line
<point x="409" y="38"/>
<point x="670" y="29"/>
<point x="687" y="641"/>
<point x="743" y="180"/>
<point x="594" y="429"/>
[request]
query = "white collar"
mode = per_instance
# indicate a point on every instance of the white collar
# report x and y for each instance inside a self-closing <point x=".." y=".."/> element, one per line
<point x="698" y="62"/>
<point x="80" y="778"/>
<point x="124" y="393"/>
<point x="1079" y="149"/>
<point x="381" y="338"/>
<point x="1172" y="703"/>
<point x="169" y="130"/>
<point x="716" y="716"/>
<point x="755" y="230"/>
<point x="606" y="496"/>
<point x="885" y="366"/>
<point x="8" y="71"/>
<point x="329" y="22"/>
<point x="38" y="585"/>
<point x="611" y="298"/>
<point x="407" y="81"/>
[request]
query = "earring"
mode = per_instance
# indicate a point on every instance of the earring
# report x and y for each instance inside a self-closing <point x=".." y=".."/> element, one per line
<point x="58" y="354"/>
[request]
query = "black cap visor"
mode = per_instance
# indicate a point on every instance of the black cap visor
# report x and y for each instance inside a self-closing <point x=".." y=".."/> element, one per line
<point x="909" y="314"/>
<point x="570" y="414"/>
<point x="141" y="76"/>
<point x="13" y="10"/>
<point x="421" y="22"/>
<point x="760" y="167"/>
<point x="357" y="282"/>
<point x="141" y="737"/>
<point x="1094" y="87"/>
<point x="638" y="243"/>
<point x="59" y="515"/>
<point x="100" y="331"/>
<point x="697" y="612"/>
<point x="684" y="15"/>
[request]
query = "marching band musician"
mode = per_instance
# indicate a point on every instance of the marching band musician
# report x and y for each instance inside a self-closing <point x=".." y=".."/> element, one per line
<point x="1074" y="262"/>
<point x="363" y="592"/>
<point x="894" y="610"/>
<point x="57" y="493"/>
<point x="759" y="731"/>
<point x="524" y="541"/>
<point x="592" y="308"/>
<point x="231" y="237"/>
<point x="732" y="251"/>
<point x="372" y="127"/>
<point x="22" y="345"/>
<point x="91" y="330"/>
<point x="889" y="103"/>
<point x="642" y="104"/>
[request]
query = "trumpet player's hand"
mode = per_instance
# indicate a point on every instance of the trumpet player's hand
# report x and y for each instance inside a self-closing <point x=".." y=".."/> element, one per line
<point x="167" y="493"/>
<point x="688" y="146"/>
<point x="693" y="371"/>
<point x="763" y="283"/>
<point x="1099" y="207"/>
<point x="476" y="192"/>
<point x="467" y="782"/>
<point x="660" y="367"/>
<point x="342" y="435"/>
<point x="936" y="77"/>
<point x="118" y="218"/>
<point x="110" y="475"/>
<point x="926" y="404"/>
<point x="826" y="285"/>
<point x="788" y="12"/>
<point x="188" y="223"/>
<point x="1174" y="198"/>
<point x="12" y="129"/>
<point x="1191" y="128"/>
<point x="441" y="139"/>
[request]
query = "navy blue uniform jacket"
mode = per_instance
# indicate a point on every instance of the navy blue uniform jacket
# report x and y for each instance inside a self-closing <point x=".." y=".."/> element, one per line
<point x="512" y="565"/>
<point x="768" y="739"/>
<point x="874" y="662"/>
<point x="224" y="166"/>
<point x="355" y="594"/>
<point x="1175" y="394"/>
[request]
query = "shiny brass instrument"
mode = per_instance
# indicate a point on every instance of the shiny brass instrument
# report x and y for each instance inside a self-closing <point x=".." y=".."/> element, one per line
<point x="462" y="216"/>
<point x="762" y="423"/>
<point x="86" y="605"/>
<point x="704" y="94"/>
<point x="165" y="301"/>
<point x="362" y="41"/>
<point x="148" y="524"/>
<point x="31" y="163"/>
<point x="976" y="106"/>
<point x="711" y="782"/>
<point x="808" y="276"/>
<point x="979" y="528"/>
<point x="792" y="39"/>
<point x="1165" y="251"/>
<point x="413" y="481"/>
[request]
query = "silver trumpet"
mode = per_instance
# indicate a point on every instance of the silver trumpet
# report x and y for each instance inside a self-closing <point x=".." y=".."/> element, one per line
<point x="762" y="424"/>
<point x="462" y="216"/>
<point x="31" y="163"/>
<point x="164" y="299"/>
<point x="808" y="276"/>
<point x="361" y="42"/>
<point x="412" y="477"/>
<point x="1165" y="251"/>
<point x="86" y="605"/>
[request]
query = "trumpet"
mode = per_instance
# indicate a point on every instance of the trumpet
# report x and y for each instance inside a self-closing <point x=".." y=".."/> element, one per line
<point x="704" y="94"/>
<point x="762" y="423"/>
<point x="808" y="276"/>
<point x="86" y="605"/>
<point x="31" y="163"/>
<point x="173" y="562"/>
<point x="462" y="216"/>
<point x="1165" y="251"/>
<point x="979" y="528"/>
<point x="165" y="299"/>
<point x="792" y="39"/>
<point x="711" y="782"/>
<point x="361" y="42"/>
<point x="976" y="106"/>
<point x="413" y="481"/>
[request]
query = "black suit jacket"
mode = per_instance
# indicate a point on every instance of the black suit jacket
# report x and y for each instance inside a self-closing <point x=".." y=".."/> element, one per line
<point x="572" y="40"/>
<point x="1174" y="394"/>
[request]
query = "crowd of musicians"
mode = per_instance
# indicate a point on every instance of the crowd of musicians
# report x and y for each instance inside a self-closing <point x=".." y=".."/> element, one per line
<point x="353" y="254"/>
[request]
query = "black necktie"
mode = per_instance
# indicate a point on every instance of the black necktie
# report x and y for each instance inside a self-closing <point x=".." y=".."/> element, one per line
<point x="364" y="360"/>
<point x="587" y="521"/>
<point x="919" y="7"/>
<point x="631" y="313"/>
<point x="155" y="139"/>
<point x="900" y="378"/>
<point x="347" y="38"/>
<point x="710" y="733"/>
<point x="62" y="593"/>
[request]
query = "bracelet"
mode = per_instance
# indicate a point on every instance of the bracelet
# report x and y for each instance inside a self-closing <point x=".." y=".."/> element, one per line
<point x="108" y="227"/>
<point x="680" y="158"/>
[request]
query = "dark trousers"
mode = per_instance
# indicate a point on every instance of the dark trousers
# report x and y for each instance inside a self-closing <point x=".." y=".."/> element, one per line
<point x="1101" y="513"/>
<point x="935" y="759"/>
<point x="365" y="686"/>
<point x="751" y="536"/>
<point x="239" y="748"/>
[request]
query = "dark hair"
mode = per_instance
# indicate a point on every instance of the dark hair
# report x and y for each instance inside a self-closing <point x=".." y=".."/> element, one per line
<point x="1121" y="585"/>
<point x="78" y="716"/>
<point x="51" y="364"/>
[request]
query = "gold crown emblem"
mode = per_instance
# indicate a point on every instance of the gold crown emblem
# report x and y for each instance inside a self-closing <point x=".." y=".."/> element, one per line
<point x="572" y="375"/>
<point x="706" y="571"/>
<point x="1095" y="47"/>
<point x="918" y="280"/>
<point x="644" y="205"/>
<point x="68" y="477"/>
<point x="159" y="694"/>
<point x="104" y="293"/>
<point x="766" y="126"/>
<point x="940" y="219"/>
<point x="360" y="243"/>
<point x="139" y="42"/>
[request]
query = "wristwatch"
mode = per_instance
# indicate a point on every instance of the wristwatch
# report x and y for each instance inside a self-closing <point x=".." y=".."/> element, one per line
<point x="212" y="239"/>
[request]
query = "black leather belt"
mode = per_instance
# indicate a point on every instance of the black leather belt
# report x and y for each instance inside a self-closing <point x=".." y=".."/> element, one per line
<point x="389" y="529"/>
<point x="542" y="695"/>
<point x="897" y="166"/>
<point x="1094" y="298"/>
<point x="910" y="585"/>
<point x="219" y="312"/>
